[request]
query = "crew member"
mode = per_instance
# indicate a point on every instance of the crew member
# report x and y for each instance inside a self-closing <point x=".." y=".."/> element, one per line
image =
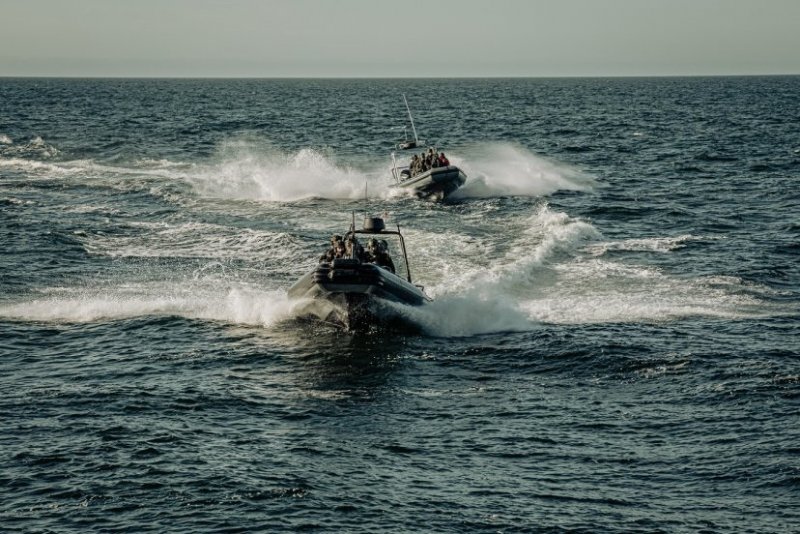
<point x="336" y="250"/>
<point x="378" y="253"/>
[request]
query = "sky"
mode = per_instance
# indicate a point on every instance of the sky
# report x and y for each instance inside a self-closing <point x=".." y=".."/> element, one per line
<point x="398" y="38"/>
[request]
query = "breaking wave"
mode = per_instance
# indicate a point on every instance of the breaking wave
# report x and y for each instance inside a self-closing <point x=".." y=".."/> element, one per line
<point x="35" y="147"/>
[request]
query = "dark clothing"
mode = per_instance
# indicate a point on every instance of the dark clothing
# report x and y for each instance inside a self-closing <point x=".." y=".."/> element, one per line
<point x="382" y="259"/>
<point x="386" y="261"/>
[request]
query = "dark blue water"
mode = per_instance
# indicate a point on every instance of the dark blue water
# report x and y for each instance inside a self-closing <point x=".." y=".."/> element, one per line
<point x="613" y="345"/>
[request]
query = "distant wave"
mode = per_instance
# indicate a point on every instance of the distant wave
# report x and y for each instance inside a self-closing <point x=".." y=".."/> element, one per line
<point x="652" y="244"/>
<point x="35" y="147"/>
<point x="193" y="240"/>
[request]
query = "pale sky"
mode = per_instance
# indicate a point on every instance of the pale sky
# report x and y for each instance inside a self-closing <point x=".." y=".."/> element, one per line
<point x="398" y="38"/>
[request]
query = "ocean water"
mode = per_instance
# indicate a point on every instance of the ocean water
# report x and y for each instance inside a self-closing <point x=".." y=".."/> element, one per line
<point x="613" y="343"/>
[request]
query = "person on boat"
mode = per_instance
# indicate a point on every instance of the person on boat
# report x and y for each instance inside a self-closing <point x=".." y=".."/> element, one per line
<point x="353" y="248"/>
<point x="386" y="259"/>
<point x="428" y="161"/>
<point x="336" y="250"/>
<point x="377" y="253"/>
<point x="372" y="250"/>
<point x="415" y="165"/>
<point x="443" y="161"/>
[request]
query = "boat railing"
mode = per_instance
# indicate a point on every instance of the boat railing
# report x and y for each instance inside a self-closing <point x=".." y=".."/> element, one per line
<point x="354" y="232"/>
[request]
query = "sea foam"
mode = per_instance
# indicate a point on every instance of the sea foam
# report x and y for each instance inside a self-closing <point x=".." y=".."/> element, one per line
<point x="504" y="169"/>
<point x="239" y="305"/>
<point x="249" y="172"/>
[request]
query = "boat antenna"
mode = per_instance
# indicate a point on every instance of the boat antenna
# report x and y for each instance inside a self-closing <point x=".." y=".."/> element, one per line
<point x="405" y="255"/>
<point x="366" y="200"/>
<point x="411" y="119"/>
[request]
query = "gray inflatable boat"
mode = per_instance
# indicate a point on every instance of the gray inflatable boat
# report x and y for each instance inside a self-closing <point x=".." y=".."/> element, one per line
<point x="434" y="184"/>
<point x="355" y="290"/>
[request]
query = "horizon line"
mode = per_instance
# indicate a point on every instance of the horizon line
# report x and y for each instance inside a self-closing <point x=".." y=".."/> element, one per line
<point x="360" y="77"/>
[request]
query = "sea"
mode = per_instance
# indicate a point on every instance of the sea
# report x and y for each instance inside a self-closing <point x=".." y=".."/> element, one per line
<point x="612" y="343"/>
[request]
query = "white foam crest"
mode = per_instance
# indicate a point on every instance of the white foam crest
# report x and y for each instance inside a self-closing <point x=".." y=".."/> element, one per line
<point x="38" y="147"/>
<point x="468" y="315"/>
<point x="553" y="232"/>
<point x="83" y="167"/>
<point x="195" y="240"/>
<point x="543" y="236"/>
<point x="600" y="292"/>
<point x="543" y="277"/>
<point x="477" y="297"/>
<point x="653" y="244"/>
<point x="503" y="169"/>
<point x="5" y="140"/>
<point x="248" y="173"/>
<point x="34" y="166"/>
<point x="446" y="255"/>
<point x="160" y="163"/>
<point x="165" y="170"/>
<point x="238" y="305"/>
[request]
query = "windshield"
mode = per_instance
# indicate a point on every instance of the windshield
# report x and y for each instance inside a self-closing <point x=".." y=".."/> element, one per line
<point x="391" y="244"/>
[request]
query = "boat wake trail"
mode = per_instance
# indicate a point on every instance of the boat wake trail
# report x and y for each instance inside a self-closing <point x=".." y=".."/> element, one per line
<point x="553" y="273"/>
<point x="249" y="172"/>
<point x="503" y="169"/>
<point x="247" y="169"/>
<point x="240" y="170"/>
<point x="236" y="305"/>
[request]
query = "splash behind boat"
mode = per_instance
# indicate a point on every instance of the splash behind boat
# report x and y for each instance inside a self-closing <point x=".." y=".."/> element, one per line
<point x="355" y="290"/>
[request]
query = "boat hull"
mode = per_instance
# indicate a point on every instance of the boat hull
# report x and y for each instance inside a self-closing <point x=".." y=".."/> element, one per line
<point x="436" y="184"/>
<point x="353" y="296"/>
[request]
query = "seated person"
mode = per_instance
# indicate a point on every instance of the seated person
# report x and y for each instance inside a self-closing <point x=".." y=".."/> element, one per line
<point x="377" y="253"/>
<point x="443" y="161"/>
<point x="412" y="167"/>
<point x="386" y="259"/>
<point x="353" y="249"/>
<point x="336" y="250"/>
